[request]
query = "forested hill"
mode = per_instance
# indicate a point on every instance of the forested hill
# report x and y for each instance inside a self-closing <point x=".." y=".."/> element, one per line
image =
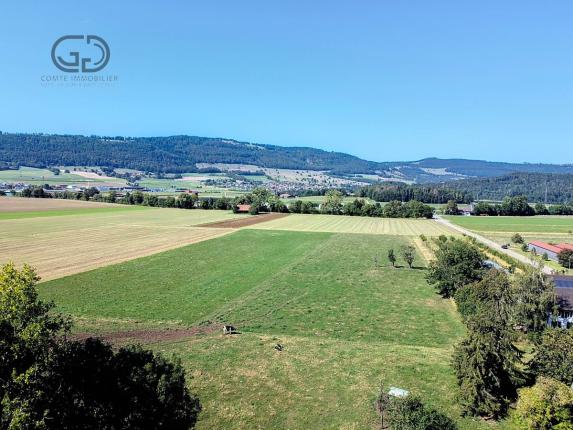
<point x="559" y="188"/>
<point x="179" y="154"/>
<point x="174" y="154"/>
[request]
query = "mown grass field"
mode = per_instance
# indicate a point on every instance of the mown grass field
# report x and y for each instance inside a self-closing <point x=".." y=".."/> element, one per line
<point x="34" y="176"/>
<point x="60" y="245"/>
<point x="348" y="224"/>
<point x="515" y="224"/>
<point x="18" y="208"/>
<point x="17" y="204"/>
<point x="346" y="323"/>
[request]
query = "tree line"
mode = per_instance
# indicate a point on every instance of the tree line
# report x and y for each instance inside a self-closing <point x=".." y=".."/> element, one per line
<point x="519" y="206"/>
<point x="537" y="187"/>
<point x="502" y="311"/>
<point x="259" y="200"/>
<point x="403" y="192"/>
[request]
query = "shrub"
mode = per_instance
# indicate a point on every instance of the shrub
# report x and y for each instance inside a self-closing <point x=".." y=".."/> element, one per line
<point x="49" y="383"/>
<point x="565" y="258"/>
<point x="517" y="238"/>
<point x="409" y="413"/>
<point x="554" y="356"/>
<point x="546" y="405"/>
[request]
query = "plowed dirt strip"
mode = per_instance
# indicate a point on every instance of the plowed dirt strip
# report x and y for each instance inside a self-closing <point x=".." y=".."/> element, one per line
<point x="149" y="336"/>
<point x="60" y="246"/>
<point x="245" y="222"/>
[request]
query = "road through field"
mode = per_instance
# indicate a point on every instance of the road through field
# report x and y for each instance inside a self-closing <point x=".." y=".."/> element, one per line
<point x="489" y="243"/>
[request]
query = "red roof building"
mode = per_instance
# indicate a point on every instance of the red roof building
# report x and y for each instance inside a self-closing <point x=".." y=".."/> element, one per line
<point x="546" y="246"/>
<point x="552" y="251"/>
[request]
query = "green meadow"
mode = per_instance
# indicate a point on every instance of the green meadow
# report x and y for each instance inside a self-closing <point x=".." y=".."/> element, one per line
<point x="515" y="224"/>
<point x="347" y="321"/>
<point x="32" y="175"/>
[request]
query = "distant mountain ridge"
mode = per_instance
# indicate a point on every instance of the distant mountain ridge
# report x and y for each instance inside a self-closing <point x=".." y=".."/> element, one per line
<point x="180" y="154"/>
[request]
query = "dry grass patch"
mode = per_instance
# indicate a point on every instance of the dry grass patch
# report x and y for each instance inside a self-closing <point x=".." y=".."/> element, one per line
<point x="17" y="204"/>
<point x="63" y="245"/>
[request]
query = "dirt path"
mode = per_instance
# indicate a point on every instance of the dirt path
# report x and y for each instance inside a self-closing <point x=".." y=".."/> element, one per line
<point x="149" y="336"/>
<point x="424" y="250"/>
<point x="238" y="223"/>
<point x="491" y="243"/>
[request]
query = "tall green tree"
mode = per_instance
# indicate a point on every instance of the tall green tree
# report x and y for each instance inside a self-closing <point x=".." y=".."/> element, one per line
<point x="392" y="257"/>
<point x="451" y="208"/>
<point x="534" y="299"/>
<point x="409" y="254"/>
<point x="50" y="383"/>
<point x="28" y="328"/>
<point x="487" y="363"/>
<point x="554" y="355"/>
<point x="332" y="202"/>
<point x="565" y="258"/>
<point x="457" y="263"/>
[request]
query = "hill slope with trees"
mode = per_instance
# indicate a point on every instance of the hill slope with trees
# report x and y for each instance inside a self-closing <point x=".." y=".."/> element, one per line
<point x="179" y="154"/>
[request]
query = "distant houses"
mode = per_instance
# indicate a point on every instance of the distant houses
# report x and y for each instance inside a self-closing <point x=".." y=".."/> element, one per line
<point x="538" y="247"/>
<point x="243" y="208"/>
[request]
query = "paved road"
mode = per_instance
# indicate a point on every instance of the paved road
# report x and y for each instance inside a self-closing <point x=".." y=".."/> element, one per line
<point x="490" y="243"/>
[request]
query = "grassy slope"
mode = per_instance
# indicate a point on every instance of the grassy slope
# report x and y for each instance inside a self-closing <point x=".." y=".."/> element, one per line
<point x="346" y="325"/>
<point x="541" y="224"/>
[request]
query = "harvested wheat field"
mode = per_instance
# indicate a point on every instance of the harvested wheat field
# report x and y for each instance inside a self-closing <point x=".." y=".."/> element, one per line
<point x="349" y="224"/>
<point x="17" y="204"/>
<point x="62" y="245"/>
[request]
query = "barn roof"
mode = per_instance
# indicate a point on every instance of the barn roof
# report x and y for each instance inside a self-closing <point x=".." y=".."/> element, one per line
<point x="545" y="245"/>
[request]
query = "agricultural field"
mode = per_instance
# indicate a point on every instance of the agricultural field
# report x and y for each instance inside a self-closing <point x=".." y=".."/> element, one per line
<point x="88" y="238"/>
<point x="349" y="224"/>
<point x="516" y="224"/>
<point x="13" y="207"/>
<point x="347" y="322"/>
<point x="30" y="175"/>
<point x="550" y="229"/>
<point x="300" y="176"/>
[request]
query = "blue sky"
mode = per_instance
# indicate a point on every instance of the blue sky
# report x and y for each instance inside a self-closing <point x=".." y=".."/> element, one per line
<point x="383" y="80"/>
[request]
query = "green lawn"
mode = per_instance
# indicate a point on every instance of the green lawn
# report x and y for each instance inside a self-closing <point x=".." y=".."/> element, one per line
<point x="515" y="224"/>
<point x="346" y="324"/>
